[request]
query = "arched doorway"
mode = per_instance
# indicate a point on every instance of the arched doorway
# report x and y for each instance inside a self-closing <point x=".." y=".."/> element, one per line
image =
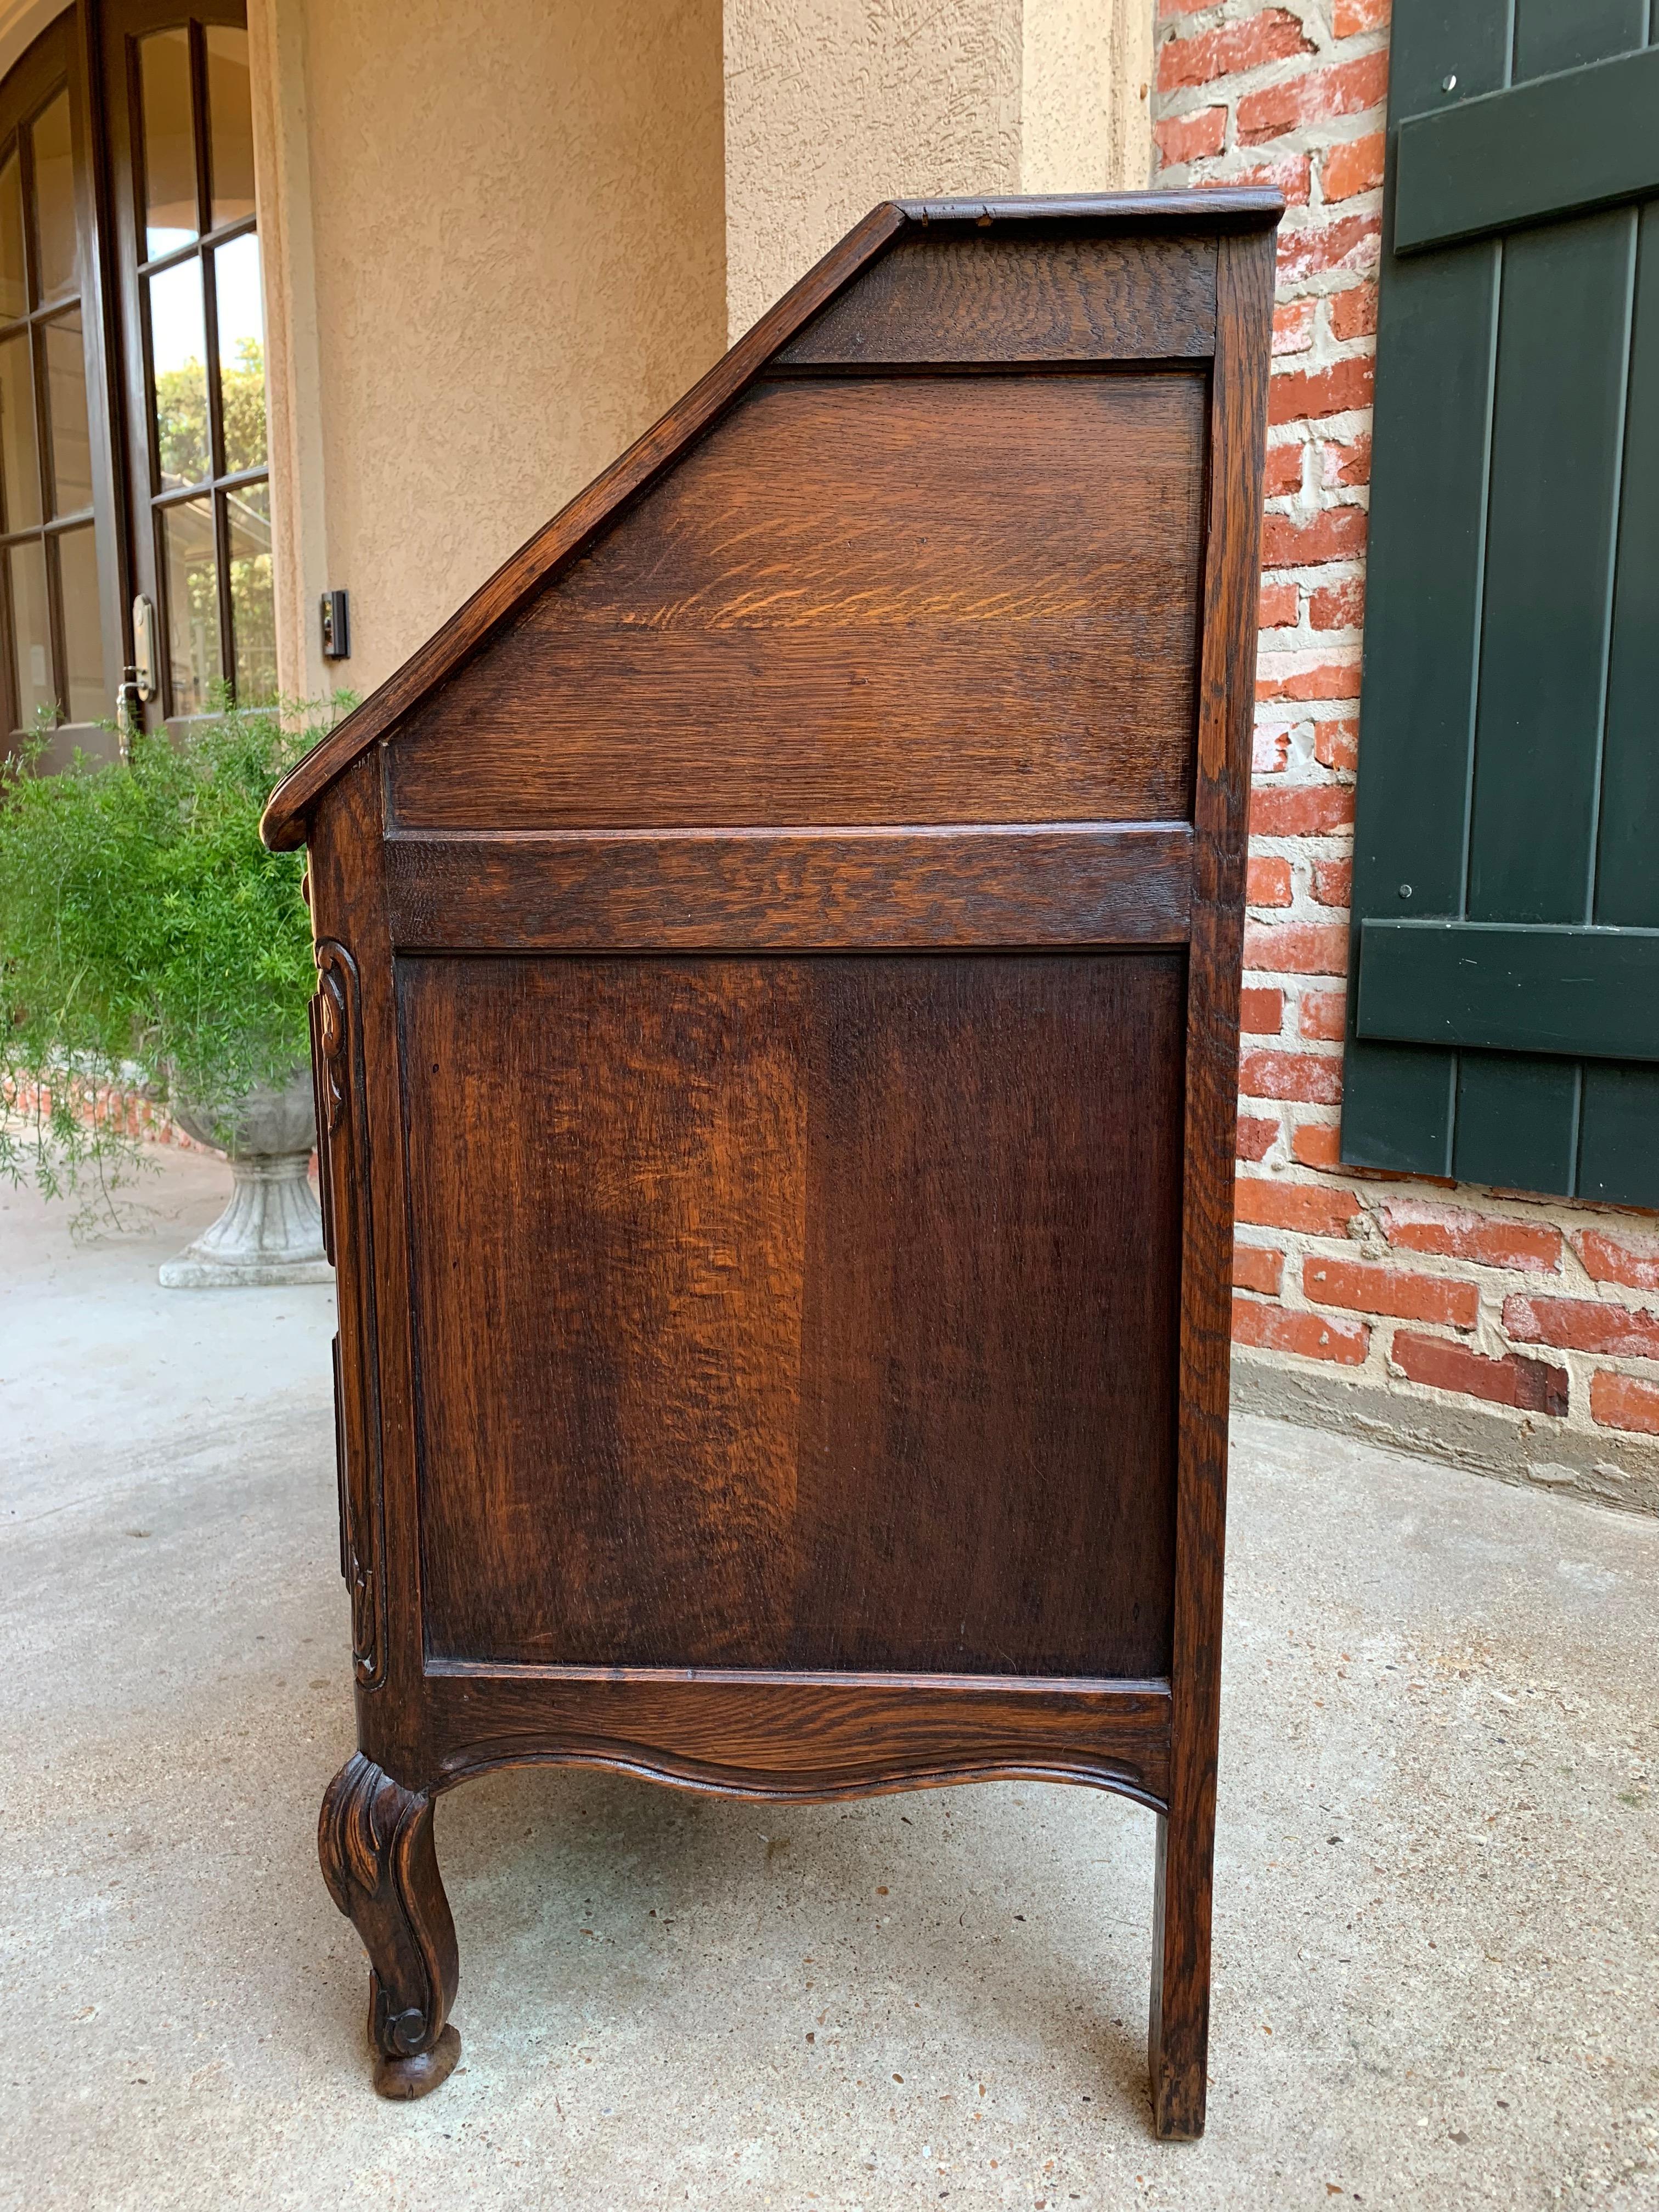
<point x="135" y="511"/>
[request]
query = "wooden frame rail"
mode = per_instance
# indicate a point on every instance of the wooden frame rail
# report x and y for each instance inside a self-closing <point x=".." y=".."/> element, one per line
<point x="792" y="889"/>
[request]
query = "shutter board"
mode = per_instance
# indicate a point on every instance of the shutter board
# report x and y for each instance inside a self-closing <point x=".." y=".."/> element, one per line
<point x="1627" y="866"/>
<point x="1508" y="772"/>
<point x="1549" y="36"/>
<point x="1517" y="1122"/>
<point x="1557" y="441"/>
<point x="1619" y="1111"/>
<point x="1618" y="1159"/>
<point x="1579" y="140"/>
<point x="1543" y="988"/>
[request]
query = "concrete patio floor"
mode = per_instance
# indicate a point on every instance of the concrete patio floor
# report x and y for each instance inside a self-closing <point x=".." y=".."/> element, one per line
<point x="1438" y="1889"/>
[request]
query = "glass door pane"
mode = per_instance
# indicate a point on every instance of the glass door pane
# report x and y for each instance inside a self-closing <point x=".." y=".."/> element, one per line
<point x="168" y="154"/>
<point x="177" y="337"/>
<point x="54" y="201"/>
<point x="20" y="459"/>
<point x="60" y="639"/>
<point x="13" y="273"/>
<point x="31" y="619"/>
<point x="84" y="694"/>
<point x="254" y="612"/>
<point x="66" y="402"/>
<point x="230" y="125"/>
<point x="191" y="268"/>
<point x="241" y="352"/>
<point x="190" y="563"/>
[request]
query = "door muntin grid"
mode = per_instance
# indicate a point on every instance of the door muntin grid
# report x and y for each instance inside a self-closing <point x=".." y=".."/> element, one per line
<point x="202" y="337"/>
<point x="52" y="615"/>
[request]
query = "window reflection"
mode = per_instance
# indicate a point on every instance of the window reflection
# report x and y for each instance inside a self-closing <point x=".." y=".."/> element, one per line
<point x="54" y="199"/>
<point x="168" y="142"/>
<point x="190" y="566"/>
<point x="71" y="440"/>
<point x="230" y="125"/>
<point x="209" y="408"/>
<point x="19" y="467"/>
<point x="241" y="353"/>
<point x="30" y="630"/>
<point x="52" y="631"/>
<point x="14" y="279"/>
<point x="253" y="604"/>
<point x="177" y="329"/>
<point x="84" y="697"/>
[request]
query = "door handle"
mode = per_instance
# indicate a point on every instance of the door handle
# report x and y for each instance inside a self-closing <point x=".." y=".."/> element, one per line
<point x="146" y="679"/>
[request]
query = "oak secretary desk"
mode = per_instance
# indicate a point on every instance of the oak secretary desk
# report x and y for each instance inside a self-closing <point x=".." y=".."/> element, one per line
<point x="775" y="1044"/>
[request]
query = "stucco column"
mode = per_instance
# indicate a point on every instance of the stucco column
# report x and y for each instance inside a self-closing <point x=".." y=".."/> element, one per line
<point x="494" y="242"/>
<point x="1085" y="115"/>
<point x="276" y="67"/>
<point x="832" y="104"/>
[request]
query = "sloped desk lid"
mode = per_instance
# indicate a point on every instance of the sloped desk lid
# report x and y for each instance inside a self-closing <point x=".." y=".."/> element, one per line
<point x="773" y="339"/>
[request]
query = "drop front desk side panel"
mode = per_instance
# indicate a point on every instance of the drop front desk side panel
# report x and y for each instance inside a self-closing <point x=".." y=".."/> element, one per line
<point x="776" y="1048"/>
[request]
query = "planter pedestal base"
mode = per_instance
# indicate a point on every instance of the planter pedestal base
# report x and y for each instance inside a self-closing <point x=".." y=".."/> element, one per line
<point x="271" y="1233"/>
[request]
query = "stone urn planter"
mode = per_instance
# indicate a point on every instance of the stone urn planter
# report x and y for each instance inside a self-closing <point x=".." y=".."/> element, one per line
<point x="271" y="1232"/>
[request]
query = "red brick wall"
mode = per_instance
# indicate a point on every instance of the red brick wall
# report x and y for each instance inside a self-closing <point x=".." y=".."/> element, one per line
<point x="1446" y="1297"/>
<point x="135" y="1115"/>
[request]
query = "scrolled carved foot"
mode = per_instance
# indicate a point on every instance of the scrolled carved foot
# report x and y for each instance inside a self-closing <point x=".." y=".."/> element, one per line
<point x="419" y="2073"/>
<point x="374" y="1839"/>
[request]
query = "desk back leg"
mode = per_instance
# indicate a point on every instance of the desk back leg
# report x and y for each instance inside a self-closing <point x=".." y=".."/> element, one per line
<point x="1179" y="2037"/>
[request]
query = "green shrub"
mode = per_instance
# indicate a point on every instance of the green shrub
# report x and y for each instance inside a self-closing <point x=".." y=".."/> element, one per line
<point x="148" y="940"/>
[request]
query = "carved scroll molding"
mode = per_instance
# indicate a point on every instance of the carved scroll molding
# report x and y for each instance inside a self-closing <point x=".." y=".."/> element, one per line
<point x="374" y="1840"/>
<point x="348" y="1230"/>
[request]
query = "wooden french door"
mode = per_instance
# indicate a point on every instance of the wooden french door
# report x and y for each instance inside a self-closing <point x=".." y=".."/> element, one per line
<point x="184" y="240"/>
<point x="135" y="505"/>
<point x="61" y="566"/>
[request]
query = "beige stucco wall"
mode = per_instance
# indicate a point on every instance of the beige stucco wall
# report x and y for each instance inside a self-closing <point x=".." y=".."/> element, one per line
<point x="1085" y="112"/>
<point x="501" y="240"/>
<point x="293" y="409"/>
<point x="833" y="105"/>
<point x="496" y="238"/>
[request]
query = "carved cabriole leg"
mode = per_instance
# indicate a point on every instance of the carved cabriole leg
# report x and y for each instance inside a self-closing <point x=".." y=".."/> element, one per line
<point x="374" y="1839"/>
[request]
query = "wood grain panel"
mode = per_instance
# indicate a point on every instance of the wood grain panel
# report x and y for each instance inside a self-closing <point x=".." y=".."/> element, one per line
<point x="991" y="1295"/>
<point x="1006" y="298"/>
<point x="756" y="1300"/>
<point x="608" y="1180"/>
<point x="943" y="601"/>
<point x="756" y="1732"/>
<point x="862" y="504"/>
<point x="791" y="889"/>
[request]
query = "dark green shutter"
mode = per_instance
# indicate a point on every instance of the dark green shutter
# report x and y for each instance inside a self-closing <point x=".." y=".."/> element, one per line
<point x="1503" y="1012"/>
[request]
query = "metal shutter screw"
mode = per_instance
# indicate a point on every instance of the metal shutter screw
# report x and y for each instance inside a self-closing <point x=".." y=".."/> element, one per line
<point x="1405" y="890"/>
<point x="1448" y="84"/>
